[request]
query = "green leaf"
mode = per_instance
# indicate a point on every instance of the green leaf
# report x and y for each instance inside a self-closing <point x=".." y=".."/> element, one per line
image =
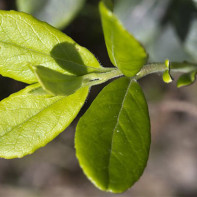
<point x="124" y="50"/>
<point x="30" y="119"/>
<point x="25" y="41"/>
<point x="113" y="136"/>
<point x="57" y="13"/>
<point x="186" y="79"/>
<point x="57" y="83"/>
<point x="166" y="75"/>
<point x="60" y="84"/>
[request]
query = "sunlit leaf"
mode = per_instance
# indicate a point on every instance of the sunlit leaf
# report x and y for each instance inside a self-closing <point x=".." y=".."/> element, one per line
<point x="26" y="41"/>
<point x="31" y="118"/>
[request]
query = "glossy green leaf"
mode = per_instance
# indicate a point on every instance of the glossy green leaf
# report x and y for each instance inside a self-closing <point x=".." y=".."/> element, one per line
<point x="58" y="13"/>
<point x="113" y="136"/>
<point x="186" y="79"/>
<point x="30" y="119"/>
<point x="124" y="50"/>
<point x="25" y="41"/>
<point x="57" y="83"/>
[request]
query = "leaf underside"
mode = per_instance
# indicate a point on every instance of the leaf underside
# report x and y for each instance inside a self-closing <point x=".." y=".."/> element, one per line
<point x="113" y="137"/>
<point x="31" y="118"/>
<point x="57" y="83"/>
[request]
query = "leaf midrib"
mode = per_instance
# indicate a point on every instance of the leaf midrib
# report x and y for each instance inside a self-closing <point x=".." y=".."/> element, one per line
<point x="123" y="100"/>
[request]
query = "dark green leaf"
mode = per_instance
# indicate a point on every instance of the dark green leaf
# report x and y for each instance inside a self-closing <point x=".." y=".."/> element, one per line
<point x="113" y="137"/>
<point x="124" y="50"/>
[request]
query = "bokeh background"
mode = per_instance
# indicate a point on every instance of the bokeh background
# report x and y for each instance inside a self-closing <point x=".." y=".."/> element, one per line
<point x="168" y="29"/>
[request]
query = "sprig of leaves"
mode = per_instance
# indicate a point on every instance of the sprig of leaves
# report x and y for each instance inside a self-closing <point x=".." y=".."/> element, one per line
<point x="113" y="137"/>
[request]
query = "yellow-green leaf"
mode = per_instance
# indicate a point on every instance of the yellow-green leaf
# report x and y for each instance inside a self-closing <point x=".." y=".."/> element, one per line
<point x="31" y="118"/>
<point x="166" y="75"/>
<point x="25" y="41"/>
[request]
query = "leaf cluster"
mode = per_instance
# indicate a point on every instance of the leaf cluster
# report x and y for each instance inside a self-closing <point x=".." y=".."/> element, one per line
<point x="113" y="137"/>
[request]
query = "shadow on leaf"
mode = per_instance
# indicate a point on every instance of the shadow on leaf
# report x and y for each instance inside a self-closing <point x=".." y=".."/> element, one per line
<point x="67" y="57"/>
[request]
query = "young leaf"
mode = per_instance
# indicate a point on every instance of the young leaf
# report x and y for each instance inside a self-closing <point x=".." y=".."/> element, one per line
<point x="113" y="137"/>
<point x="30" y="119"/>
<point x="57" y="83"/>
<point x="166" y="75"/>
<point x="186" y="79"/>
<point x="57" y="13"/>
<point x="25" y="41"/>
<point x="124" y="50"/>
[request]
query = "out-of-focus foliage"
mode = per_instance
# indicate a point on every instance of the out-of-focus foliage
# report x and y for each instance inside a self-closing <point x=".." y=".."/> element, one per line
<point x="58" y="13"/>
<point x="168" y="28"/>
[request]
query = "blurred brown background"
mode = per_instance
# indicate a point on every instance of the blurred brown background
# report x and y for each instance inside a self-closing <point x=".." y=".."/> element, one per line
<point x="166" y="27"/>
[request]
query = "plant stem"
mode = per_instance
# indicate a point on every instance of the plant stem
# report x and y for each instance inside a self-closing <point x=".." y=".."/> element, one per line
<point x="98" y="78"/>
<point x="110" y="73"/>
<point x="175" y="67"/>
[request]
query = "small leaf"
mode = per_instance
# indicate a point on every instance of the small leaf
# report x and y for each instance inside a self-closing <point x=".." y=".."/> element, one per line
<point x="57" y="13"/>
<point x="166" y="75"/>
<point x="113" y="137"/>
<point x="25" y="40"/>
<point x="60" y="84"/>
<point x="57" y="83"/>
<point x="31" y="118"/>
<point x="124" y="50"/>
<point x="186" y="79"/>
